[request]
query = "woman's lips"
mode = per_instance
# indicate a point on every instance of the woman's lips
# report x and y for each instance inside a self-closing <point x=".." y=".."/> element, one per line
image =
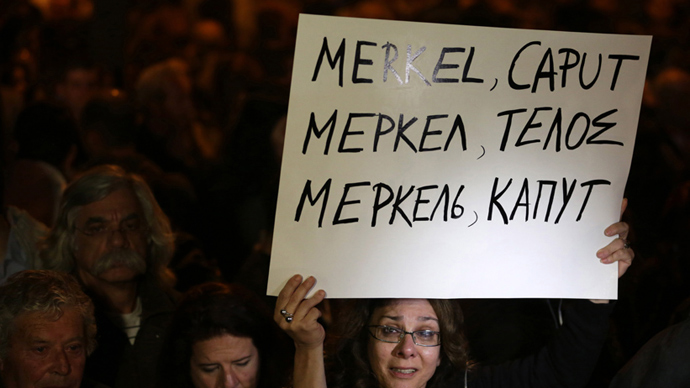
<point x="403" y="372"/>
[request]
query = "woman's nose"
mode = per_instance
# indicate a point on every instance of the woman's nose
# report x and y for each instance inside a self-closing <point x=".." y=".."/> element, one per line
<point x="406" y="347"/>
<point x="230" y="379"/>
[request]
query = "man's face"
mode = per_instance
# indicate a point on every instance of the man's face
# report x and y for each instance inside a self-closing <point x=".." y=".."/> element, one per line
<point x="178" y="104"/>
<point x="79" y="86"/>
<point x="110" y="242"/>
<point x="45" y="353"/>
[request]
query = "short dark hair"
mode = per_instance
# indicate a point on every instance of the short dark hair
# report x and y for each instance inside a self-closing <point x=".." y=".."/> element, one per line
<point x="214" y="309"/>
<point x="348" y="362"/>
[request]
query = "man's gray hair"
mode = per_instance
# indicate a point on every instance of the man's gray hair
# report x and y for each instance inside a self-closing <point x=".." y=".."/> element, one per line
<point x="94" y="185"/>
<point x="47" y="293"/>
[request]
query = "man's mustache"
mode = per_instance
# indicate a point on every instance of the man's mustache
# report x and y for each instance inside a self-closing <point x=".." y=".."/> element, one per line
<point x="121" y="257"/>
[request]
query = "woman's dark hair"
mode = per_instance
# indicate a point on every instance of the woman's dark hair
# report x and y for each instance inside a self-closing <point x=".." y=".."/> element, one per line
<point x="348" y="363"/>
<point x="214" y="309"/>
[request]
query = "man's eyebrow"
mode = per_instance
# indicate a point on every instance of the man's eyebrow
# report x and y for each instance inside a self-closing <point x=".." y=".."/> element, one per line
<point x="95" y="220"/>
<point x="39" y="340"/>
<point x="99" y="219"/>
<point x="131" y="216"/>
<point x="78" y="338"/>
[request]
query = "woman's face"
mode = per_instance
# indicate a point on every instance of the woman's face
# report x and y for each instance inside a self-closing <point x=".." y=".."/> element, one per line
<point x="224" y="362"/>
<point x="404" y="365"/>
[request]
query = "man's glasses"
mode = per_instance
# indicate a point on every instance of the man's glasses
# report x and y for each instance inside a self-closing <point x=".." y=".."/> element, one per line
<point x="100" y="229"/>
<point x="395" y="335"/>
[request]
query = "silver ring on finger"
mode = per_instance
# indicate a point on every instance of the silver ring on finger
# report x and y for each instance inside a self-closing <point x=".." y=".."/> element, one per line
<point x="288" y="316"/>
<point x="626" y="244"/>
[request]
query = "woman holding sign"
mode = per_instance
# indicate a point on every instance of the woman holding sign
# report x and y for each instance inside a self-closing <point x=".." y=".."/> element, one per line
<point x="419" y="343"/>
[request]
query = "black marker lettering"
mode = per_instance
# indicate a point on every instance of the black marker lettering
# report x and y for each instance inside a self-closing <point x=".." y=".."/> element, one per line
<point x="522" y="201"/>
<point x="620" y="59"/>
<point x="343" y="203"/>
<point x="440" y="65"/>
<point x="360" y="61"/>
<point x="318" y="133"/>
<point x="420" y="201"/>
<point x="401" y="133"/>
<point x="494" y="201"/>
<point x="511" y="81"/>
<point x="339" y="55"/>
<point x="543" y="183"/>
<point x="346" y="132"/>
<point x="426" y="133"/>
<point x="378" y="205"/>
<point x="567" y="65"/>
<point x="590" y="185"/>
<point x="582" y="69"/>
<point x="306" y="194"/>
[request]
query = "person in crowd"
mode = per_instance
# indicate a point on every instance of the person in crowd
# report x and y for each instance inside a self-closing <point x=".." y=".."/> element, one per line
<point x="661" y="362"/>
<point x="170" y="133"/>
<point x="112" y="235"/>
<point x="20" y="235"/>
<point x="78" y="82"/>
<point x="374" y="349"/>
<point x="223" y="335"/>
<point x="47" y="328"/>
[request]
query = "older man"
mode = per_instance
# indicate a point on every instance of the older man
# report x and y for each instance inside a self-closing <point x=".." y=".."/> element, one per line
<point x="112" y="235"/>
<point x="47" y="328"/>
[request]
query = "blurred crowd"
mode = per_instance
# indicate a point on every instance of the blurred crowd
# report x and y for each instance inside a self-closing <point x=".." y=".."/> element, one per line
<point x="192" y="96"/>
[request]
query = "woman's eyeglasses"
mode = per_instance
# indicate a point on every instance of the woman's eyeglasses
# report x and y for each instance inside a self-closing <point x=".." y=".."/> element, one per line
<point x="395" y="335"/>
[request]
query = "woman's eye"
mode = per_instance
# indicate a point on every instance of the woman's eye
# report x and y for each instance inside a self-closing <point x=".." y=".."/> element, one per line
<point x="242" y="363"/>
<point x="209" y="368"/>
<point x="387" y="330"/>
<point x="425" y="334"/>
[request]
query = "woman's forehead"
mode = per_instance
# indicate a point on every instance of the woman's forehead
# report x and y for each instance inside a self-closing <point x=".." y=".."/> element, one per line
<point x="406" y="309"/>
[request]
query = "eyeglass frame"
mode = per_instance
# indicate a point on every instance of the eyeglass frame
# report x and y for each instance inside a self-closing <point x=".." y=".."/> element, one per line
<point x="403" y="333"/>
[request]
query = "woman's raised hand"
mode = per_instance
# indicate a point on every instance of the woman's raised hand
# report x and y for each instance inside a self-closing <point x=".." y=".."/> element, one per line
<point x="298" y="316"/>
<point x="619" y="249"/>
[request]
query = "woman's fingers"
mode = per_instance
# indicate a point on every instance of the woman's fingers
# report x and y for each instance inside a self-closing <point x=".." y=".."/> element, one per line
<point x="298" y="316"/>
<point x="308" y="304"/>
<point x="298" y="295"/>
<point x="619" y="249"/>
<point x="285" y="296"/>
<point x="619" y="228"/>
<point x="291" y="300"/>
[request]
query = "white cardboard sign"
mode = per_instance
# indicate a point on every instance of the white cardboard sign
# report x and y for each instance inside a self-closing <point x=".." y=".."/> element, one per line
<point x="445" y="161"/>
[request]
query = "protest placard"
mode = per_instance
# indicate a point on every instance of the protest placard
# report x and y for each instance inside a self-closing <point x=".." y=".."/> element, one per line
<point x="445" y="161"/>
